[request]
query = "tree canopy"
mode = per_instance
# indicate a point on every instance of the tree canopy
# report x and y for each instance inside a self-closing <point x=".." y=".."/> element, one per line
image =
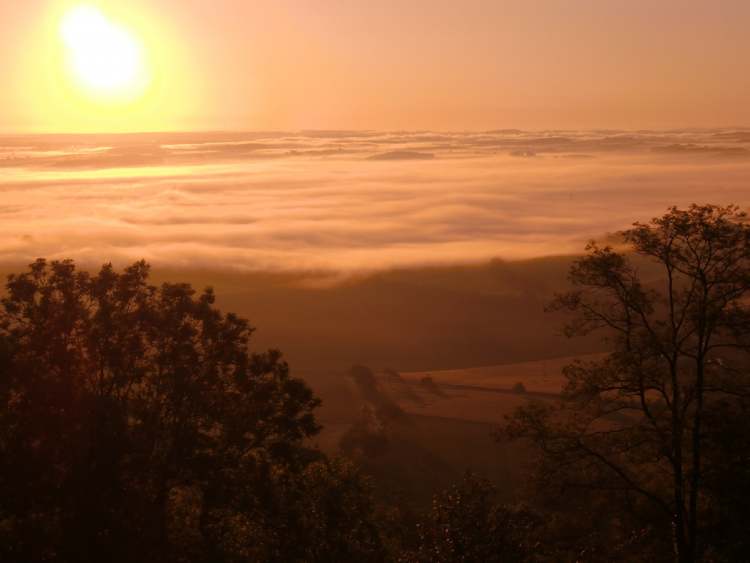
<point x="641" y="423"/>
<point x="136" y="424"/>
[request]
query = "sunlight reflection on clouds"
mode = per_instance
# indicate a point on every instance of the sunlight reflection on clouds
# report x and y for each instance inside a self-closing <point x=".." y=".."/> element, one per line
<point x="349" y="200"/>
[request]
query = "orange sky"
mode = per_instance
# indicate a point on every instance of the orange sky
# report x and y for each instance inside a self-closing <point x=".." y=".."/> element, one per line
<point x="408" y="64"/>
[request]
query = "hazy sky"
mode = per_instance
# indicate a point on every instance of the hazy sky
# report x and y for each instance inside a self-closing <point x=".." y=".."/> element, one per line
<point x="391" y="64"/>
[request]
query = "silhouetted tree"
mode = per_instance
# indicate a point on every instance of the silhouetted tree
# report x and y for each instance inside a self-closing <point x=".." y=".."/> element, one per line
<point x="727" y="481"/>
<point x="137" y="425"/>
<point x="467" y="524"/>
<point x="641" y="422"/>
<point x="320" y="514"/>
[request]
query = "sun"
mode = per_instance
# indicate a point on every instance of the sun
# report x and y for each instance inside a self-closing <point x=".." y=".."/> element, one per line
<point x="104" y="57"/>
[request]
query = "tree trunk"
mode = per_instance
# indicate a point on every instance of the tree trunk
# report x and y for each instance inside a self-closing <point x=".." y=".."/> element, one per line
<point x="695" y="477"/>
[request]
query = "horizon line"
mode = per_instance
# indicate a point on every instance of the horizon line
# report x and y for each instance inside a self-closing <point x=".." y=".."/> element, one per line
<point x="7" y="133"/>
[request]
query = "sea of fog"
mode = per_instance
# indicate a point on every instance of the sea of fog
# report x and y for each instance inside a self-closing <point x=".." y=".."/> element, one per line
<point x="349" y="200"/>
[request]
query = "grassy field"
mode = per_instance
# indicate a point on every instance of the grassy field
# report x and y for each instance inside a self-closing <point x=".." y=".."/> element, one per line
<point x="541" y="376"/>
<point x="435" y="425"/>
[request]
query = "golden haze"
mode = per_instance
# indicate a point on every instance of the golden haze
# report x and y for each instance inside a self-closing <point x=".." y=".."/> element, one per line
<point x="422" y="64"/>
<point x="105" y="66"/>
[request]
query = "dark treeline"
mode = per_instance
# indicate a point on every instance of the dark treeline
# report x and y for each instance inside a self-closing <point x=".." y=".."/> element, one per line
<point x="138" y="424"/>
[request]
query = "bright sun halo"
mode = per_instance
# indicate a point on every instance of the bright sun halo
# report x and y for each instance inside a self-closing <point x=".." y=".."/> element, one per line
<point x="103" y="55"/>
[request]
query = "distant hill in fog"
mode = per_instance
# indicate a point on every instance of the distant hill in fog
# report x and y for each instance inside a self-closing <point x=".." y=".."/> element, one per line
<point x="410" y="319"/>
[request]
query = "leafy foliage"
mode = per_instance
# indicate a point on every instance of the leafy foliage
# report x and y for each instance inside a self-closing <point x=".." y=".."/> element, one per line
<point x="137" y="425"/>
<point x="637" y="424"/>
<point x="467" y="524"/>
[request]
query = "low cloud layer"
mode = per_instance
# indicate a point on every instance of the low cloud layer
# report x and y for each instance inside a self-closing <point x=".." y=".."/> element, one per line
<point x="347" y="201"/>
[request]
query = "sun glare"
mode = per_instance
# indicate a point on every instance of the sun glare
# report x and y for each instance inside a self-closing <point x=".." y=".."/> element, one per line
<point x="104" y="57"/>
